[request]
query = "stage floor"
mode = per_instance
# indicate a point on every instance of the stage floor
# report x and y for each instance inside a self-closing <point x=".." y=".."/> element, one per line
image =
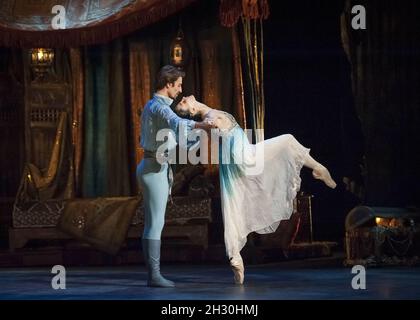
<point x="202" y="282"/>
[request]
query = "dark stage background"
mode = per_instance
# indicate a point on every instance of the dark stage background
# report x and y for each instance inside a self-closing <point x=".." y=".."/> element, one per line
<point x="367" y="135"/>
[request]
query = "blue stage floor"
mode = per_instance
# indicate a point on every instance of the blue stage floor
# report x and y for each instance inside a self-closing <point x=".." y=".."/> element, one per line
<point x="268" y="282"/>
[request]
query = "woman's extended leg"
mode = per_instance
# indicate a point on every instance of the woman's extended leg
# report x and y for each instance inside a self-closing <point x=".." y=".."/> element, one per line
<point x="319" y="171"/>
<point x="287" y="145"/>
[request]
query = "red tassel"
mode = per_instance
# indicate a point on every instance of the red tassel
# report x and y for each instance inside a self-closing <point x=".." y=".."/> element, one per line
<point x="265" y="9"/>
<point x="250" y="9"/>
<point x="229" y="12"/>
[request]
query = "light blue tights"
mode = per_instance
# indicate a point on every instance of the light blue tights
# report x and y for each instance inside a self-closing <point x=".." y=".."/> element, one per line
<point x="153" y="178"/>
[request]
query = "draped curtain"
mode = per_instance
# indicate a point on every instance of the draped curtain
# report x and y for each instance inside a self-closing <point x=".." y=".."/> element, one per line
<point x="107" y="152"/>
<point x="140" y="88"/>
<point x="385" y="64"/>
<point x="246" y="18"/>
<point x="239" y="94"/>
<point x="251" y="44"/>
<point x="77" y="72"/>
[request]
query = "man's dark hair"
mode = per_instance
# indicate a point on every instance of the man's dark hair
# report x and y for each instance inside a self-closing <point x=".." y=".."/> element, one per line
<point x="168" y="74"/>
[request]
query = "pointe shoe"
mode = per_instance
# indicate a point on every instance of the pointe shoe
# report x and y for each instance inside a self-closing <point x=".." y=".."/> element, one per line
<point x="238" y="271"/>
<point x="322" y="173"/>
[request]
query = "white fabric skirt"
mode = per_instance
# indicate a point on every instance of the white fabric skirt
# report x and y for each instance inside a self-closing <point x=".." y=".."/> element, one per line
<point x="258" y="191"/>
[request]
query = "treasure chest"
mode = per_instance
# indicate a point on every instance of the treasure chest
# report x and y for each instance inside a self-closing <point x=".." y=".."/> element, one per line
<point x="382" y="236"/>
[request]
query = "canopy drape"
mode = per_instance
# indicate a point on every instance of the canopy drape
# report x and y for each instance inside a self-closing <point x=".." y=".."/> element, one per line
<point x="29" y="23"/>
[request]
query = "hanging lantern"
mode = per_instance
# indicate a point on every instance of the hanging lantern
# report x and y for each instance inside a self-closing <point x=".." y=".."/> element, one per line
<point x="179" y="51"/>
<point x="41" y="61"/>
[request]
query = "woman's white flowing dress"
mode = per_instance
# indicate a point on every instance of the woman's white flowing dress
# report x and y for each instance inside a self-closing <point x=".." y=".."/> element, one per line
<point x="258" y="183"/>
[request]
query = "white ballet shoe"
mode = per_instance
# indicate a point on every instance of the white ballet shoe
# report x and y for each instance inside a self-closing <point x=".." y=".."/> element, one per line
<point x="322" y="173"/>
<point x="238" y="270"/>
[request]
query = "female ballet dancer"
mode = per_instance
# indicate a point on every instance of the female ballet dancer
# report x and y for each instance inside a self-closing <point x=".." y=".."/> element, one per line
<point x="256" y="201"/>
